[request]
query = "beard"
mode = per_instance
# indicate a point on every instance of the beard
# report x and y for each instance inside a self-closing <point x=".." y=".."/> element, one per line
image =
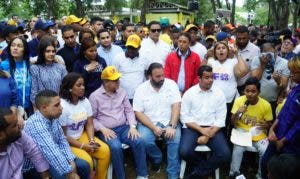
<point x="157" y="84"/>
<point x="12" y="139"/>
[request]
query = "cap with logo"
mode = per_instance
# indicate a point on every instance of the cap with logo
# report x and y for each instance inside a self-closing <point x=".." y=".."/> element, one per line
<point x="110" y="73"/>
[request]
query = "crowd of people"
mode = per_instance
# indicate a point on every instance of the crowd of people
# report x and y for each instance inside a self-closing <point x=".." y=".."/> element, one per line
<point x="74" y="91"/>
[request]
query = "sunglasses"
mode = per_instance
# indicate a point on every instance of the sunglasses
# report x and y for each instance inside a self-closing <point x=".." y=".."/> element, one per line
<point x="155" y="30"/>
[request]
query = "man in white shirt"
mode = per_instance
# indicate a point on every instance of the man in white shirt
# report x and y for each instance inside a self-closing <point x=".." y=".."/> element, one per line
<point x="247" y="50"/>
<point x="156" y="105"/>
<point x="155" y="49"/>
<point x="203" y="113"/>
<point x="195" y="46"/>
<point x="107" y="49"/>
<point x="131" y="65"/>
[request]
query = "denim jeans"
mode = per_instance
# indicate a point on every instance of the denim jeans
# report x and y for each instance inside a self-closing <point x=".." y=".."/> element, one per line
<point x="220" y="153"/>
<point x="83" y="170"/>
<point x="154" y="152"/>
<point x="237" y="155"/>
<point x="137" y="146"/>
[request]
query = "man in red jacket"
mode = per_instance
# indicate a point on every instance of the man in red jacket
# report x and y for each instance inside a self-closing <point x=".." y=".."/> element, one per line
<point x="182" y="64"/>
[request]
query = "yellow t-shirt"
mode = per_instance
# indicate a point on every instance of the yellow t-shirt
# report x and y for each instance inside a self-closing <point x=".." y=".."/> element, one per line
<point x="279" y="107"/>
<point x="166" y="38"/>
<point x="254" y="114"/>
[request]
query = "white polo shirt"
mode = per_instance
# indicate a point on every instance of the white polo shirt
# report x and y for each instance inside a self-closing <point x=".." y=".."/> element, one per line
<point x="199" y="49"/>
<point x="156" y="105"/>
<point x="132" y="70"/>
<point x="205" y="108"/>
<point x="248" y="54"/>
<point x="155" y="52"/>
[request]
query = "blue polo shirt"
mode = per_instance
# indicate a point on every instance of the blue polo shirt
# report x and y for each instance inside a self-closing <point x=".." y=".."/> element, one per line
<point x="289" y="122"/>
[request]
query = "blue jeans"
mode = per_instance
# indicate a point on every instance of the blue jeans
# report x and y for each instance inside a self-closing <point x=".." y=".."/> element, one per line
<point x="154" y="152"/>
<point x="137" y="146"/>
<point x="220" y="153"/>
<point x="83" y="170"/>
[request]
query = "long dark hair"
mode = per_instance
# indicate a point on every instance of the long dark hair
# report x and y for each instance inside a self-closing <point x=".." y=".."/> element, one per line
<point x="45" y="42"/>
<point x="67" y="83"/>
<point x="12" y="63"/>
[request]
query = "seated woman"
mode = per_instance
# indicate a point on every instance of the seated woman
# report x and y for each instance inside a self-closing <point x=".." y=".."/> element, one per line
<point x="77" y="123"/>
<point x="90" y="65"/>
<point x="17" y="64"/>
<point x="46" y="73"/>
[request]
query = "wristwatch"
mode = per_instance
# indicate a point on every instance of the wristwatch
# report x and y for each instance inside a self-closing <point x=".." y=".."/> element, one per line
<point x="133" y="126"/>
<point x="172" y="125"/>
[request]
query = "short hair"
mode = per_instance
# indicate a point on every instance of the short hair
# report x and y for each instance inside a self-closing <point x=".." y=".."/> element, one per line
<point x="66" y="28"/>
<point x="127" y="25"/>
<point x="102" y="31"/>
<point x="68" y="83"/>
<point x="267" y="44"/>
<point x="153" y="23"/>
<point x="209" y="23"/>
<point x="83" y="31"/>
<point x="4" y="112"/>
<point x="294" y="63"/>
<point x="44" y="97"/>
<point x="95" y="19"/>
<point x="242" y="29"/>
<point x="204" y="68"/>
<point x="187" y="35"/>
<point x="284" y="166"/>
<point x="253" y="81"/>
<point x="154" y="66"/>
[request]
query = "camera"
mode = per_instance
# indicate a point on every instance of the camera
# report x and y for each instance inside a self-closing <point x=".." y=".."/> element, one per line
<point x="270" y="65"/>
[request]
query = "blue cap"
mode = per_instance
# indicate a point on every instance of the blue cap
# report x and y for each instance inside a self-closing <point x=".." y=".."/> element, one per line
<point x="40" y="25"/>
<point x="222" y="35"/>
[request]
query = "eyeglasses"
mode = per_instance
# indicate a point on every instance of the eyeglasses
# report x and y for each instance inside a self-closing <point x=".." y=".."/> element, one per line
<point x="155" y="30"/>
<point x="288" y="43"/>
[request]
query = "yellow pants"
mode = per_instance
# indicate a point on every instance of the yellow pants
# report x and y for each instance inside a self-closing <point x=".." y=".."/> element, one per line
<point x="102" y="155"/>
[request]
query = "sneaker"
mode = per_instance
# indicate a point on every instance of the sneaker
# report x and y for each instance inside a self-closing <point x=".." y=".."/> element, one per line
<point x="156" y="167"/>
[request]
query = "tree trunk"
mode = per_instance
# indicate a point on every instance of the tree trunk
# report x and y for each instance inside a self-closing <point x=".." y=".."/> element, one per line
<point x="213" y="5"/>
<point x="296" y="15"/>
<point x="51" y="5"/>
<point x="233" y="12"/>
<point x="228" y="4"/>
<point x="269" y="13"/>
<point x="219" y="4"/>
<point x="79" y="8"/>
<point x="145" y="10"/>
<point x="280" y="10"/>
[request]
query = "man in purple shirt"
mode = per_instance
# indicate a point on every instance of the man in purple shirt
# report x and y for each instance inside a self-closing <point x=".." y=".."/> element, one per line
<point x="15" y="146"/>
<point x="284" y="135"/>
<point x="115" y="123"/>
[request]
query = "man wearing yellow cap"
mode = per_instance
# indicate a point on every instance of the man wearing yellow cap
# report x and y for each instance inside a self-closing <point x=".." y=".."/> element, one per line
<point x="132" y="65"/>
<point x="195" y="46"/>
<point x="115" y="123"/>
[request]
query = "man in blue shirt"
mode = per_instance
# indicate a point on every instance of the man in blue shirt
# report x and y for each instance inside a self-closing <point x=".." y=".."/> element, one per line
<point x="43" y="126"/>
<point x="284" y="135"/>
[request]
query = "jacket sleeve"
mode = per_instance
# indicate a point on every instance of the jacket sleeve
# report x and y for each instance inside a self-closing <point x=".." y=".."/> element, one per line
<point x="167" y="68"/>
<point x="197" y="65"/>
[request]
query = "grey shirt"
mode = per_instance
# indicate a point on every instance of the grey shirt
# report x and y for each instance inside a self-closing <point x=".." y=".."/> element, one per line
<point x="269" y="88"/>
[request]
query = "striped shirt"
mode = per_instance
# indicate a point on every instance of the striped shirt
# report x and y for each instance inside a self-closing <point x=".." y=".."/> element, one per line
<point x="46" y="77"/>
<point x="49" y="137"/>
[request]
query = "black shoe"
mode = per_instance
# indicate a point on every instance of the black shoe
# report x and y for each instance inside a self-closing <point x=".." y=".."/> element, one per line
<point x="156" y="167"/>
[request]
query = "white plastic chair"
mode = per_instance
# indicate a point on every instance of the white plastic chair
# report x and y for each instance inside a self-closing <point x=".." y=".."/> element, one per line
<point x="110" y="168"/>
<point x="199" y="148"/>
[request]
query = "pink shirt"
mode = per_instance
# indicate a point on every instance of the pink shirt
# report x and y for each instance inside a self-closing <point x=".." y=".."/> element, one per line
<point x="111" y="111"/>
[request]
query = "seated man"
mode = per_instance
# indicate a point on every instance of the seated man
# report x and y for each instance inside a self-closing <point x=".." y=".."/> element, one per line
<point x="15" y="145"/>
<point x="157" y="105"/>
<point x="250" y="113"/>
<point x="115" y="123"/>
<point x="43" y="126"/>
<point x="203" y="113"/>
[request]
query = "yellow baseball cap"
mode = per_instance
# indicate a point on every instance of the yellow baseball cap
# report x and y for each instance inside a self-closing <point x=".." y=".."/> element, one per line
<point x="83" y="21"/>
<point x="12" y="22"/>
<point x="110" y="73"/>
<point x="211" y="37"/>
<point x="190" y="26"/>
<point x="72" y="19"/>
<point x="134" y="41"/>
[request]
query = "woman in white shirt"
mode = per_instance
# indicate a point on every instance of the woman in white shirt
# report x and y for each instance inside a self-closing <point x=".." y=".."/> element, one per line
<point x="227" y="70"/>
<point x="77" y="123"/>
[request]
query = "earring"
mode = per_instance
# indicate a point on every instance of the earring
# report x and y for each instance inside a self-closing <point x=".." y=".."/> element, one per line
<point x="70" y="90"/>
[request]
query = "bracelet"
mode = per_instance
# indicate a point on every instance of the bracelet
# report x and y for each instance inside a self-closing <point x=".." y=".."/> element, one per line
<point x="81" y="145"/>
